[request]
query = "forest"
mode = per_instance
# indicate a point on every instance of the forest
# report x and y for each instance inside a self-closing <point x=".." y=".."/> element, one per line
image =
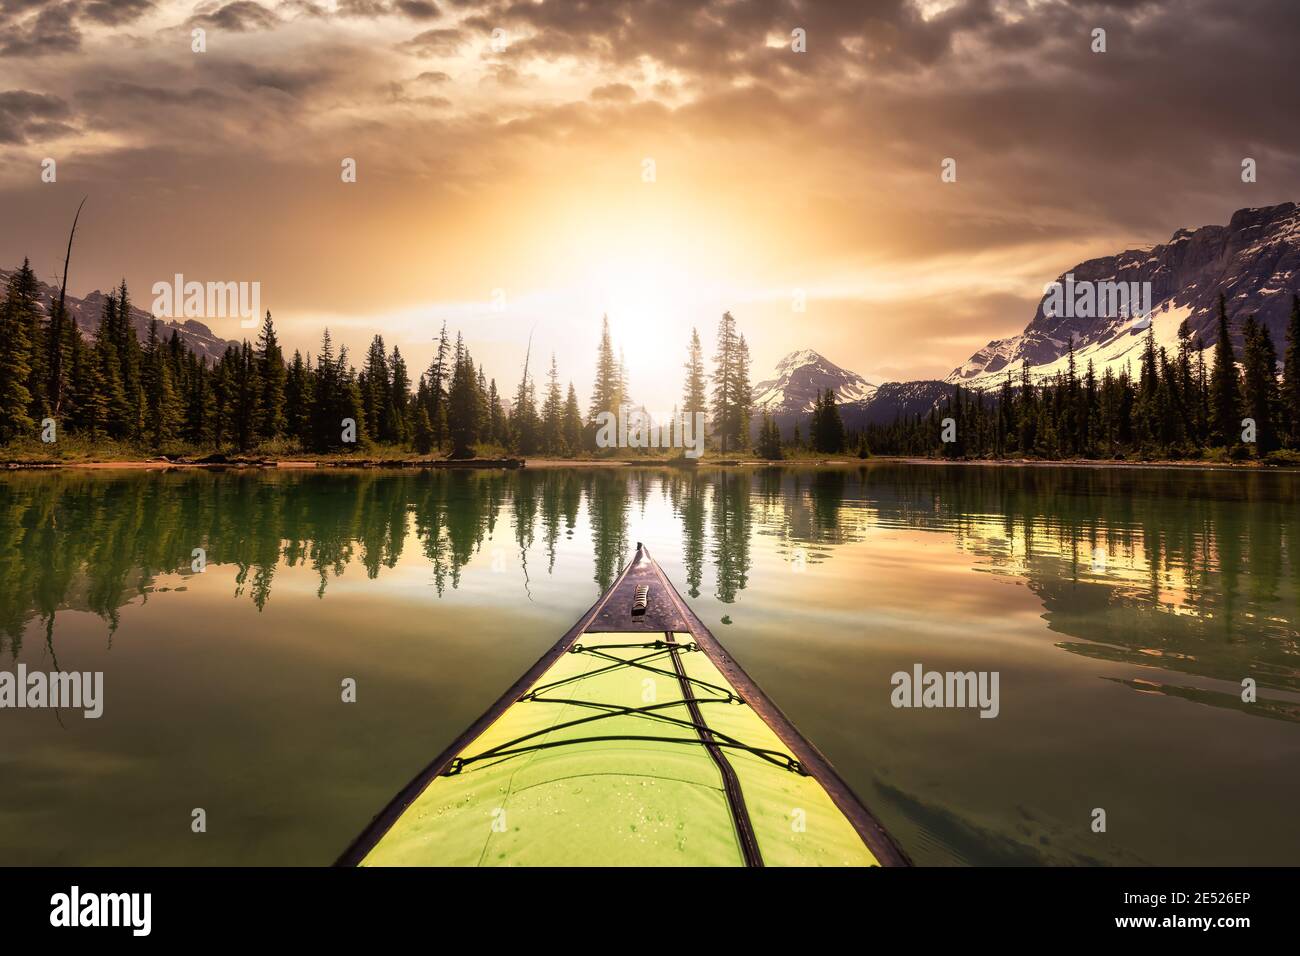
<point x="158" y="396"/>
<point x="120" y="397"/>
<point x="1179" y="406"/>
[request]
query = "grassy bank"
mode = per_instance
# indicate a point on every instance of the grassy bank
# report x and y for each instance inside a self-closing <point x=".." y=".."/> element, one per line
<point x="74" y="452"/>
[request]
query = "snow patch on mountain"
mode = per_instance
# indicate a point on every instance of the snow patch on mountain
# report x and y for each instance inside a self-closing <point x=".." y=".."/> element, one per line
<point x="1254" y="262"/>
<point x="801" y="377"/>
<point x="86" y="313"/>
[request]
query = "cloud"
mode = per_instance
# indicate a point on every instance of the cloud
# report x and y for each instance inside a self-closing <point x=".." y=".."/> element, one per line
<point x="614" y="92"/>
<point x="418" y="9"/>
<point x="25" y="115"/>
<point x="240" y="16"/>
<point x="826" y="163"/>
<point x="116" y="12"/>
<point x="51" y="29"/>
<point x="440" y="42"/>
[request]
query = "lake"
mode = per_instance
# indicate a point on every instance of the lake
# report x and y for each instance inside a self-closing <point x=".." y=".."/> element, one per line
<point x="1122" y="608"/>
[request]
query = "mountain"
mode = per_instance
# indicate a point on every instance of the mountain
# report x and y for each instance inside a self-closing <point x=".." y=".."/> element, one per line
<point x="894" y="399"/>
<point x="1254" y="261"/>
<point x="86" y="313"/>
<point x="800" y="378"/>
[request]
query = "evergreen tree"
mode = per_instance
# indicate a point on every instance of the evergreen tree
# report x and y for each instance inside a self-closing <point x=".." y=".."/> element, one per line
<point x="326" y="389"/>
<point x="524" y="425"/>
<point x="297" y="399"/>
<point x="607" y="390"/>
<point x="436" y="388"/>
<point x="1225" y="391"/>
<point x="769" y="439"/>
<point x="161" y="416"/>
<point x="119" y="418"/>
<point x="1259" y="381"/>
<point x="694" y="394"/>
<point x="572" y="422"/>
<point x="197" y="400"/>
<point x="553" y="442"/>
<point x="726" y="362"/>
<point x="16" y="356"/>
<point x="463" y="412"/>
<point x="399" y="399"/>
<point x="374" y="385"/>
<point x="1291" y="376"/>
<point x="271" y="421"/>
<point x="499" y="421"/>
<point x="423" y="431"/>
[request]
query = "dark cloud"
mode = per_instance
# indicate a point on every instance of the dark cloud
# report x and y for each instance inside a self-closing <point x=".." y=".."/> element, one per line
<point x="25" y="116"/>
<point x="441" y="42"/>
<point x="303" y="9"/>
<point x="116" y="12"/>
<point x="417" y="9"/>
<point x="39" y="29"/>
<point x="364" y="8"/>
<point x="1058" y="148"/>
<point x="241" y="16"/>
<point x="614" y="92"/>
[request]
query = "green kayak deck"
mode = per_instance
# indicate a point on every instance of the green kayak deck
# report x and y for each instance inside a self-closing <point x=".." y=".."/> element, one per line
<point x="635" y="741"/>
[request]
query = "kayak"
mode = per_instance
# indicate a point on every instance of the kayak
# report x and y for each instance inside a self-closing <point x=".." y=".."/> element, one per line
<point x="635" y="741"/>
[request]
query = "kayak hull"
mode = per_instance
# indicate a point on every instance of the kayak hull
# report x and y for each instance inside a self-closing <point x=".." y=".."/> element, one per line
<point x="635" y="740"/>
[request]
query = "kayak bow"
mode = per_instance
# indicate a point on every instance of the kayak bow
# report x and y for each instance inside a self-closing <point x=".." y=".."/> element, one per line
<point x="635" y="740"/>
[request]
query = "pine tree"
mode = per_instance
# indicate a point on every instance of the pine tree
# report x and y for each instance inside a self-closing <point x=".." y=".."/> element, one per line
<point x="725" y="361"/>
<point x="399" y="399"/>
<point x="375" y="384"/>
<point x="160" y="397"/>
<point x="1225" y="391"/>
<point x="524" y="425"/>
<point x="769" y="439"/>
<point x="423" y="431"/>
<point x="463" y="412"/>
<point x="436" y="388"/>
<point x="197" y="401"/>
<point x="553" y="442"/>
<point x="15" y="358"/>
<point x="694" y="394"/>
<point x="1259" y="381"/>
<point x="606" y="391"/>
<point x="1291" y="376"/>
<point x="119" y="417"/>
<point x="744" y="395"/>
<point x="297" y="399"/>
<point x="572" y="422"/>
<point x="271" y="380"/>
<point x="325" y="424"/>
<point x="499" y="421"/>
<point x="130" y="355"/>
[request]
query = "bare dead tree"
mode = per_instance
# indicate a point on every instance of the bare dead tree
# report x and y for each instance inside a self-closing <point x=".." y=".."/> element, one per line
<point x="56" y="326"/>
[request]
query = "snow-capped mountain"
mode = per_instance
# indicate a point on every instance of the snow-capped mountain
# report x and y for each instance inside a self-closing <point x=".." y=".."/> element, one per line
<point x="801" y="377"/>
<point x="86" y="313"/>
<point x="1254" y="261"/>
<point x="893" y="400"/>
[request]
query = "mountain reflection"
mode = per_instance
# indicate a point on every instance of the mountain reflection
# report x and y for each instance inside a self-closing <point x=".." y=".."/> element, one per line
<point x="1193" y="570"/>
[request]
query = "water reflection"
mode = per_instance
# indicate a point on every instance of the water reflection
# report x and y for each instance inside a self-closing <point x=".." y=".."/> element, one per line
<point x="1194" y="570"/>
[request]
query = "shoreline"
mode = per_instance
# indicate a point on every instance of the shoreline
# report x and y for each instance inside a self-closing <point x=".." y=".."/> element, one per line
<point x="511" y="464"/>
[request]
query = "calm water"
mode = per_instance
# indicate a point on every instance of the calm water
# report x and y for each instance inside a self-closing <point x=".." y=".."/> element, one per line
<point x="1120" y="682"/>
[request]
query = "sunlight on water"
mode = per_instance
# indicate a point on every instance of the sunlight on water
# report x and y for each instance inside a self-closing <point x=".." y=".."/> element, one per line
<point x="1122" y="609"/>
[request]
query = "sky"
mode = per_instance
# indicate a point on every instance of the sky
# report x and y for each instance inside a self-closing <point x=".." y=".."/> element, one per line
<point x="524" y="167"/>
